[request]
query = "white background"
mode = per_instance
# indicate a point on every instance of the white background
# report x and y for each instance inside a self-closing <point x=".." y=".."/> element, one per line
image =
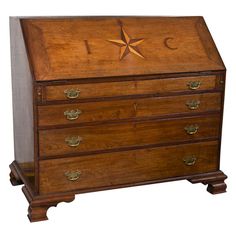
<point x="176" y="208"/>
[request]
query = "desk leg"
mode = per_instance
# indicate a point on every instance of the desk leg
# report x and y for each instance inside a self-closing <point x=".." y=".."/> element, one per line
<point x="215" y="181"/>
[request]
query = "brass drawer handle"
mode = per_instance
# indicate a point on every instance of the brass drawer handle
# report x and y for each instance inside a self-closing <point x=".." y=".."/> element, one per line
<point x="73" y="141"/>
<point x="193" y="104"/>
<point x="72" y="114"/>
<point x="72" y="93"/>
<point x="73" y="175"/>
<point x="191" y="129"/>
<point x="190" y="161"/>
<point x="193" y="85"/>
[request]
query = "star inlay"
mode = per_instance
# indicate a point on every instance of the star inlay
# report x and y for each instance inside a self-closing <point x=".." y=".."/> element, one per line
<point x="127" y="44"/>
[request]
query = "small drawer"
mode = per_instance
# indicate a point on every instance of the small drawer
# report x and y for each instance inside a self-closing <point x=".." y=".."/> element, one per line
<point x="67" y="141"/>
<point x="79" y="113"/>
<point x="74" y="92"/>
<point x="92" y="172"/>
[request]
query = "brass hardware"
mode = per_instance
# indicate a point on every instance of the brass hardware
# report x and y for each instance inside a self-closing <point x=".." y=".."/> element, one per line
<point x="191" y="129"/>
<point x="190" y="161"/>
<point x="39" y="93"/>
<point x="72" y="114"/>
<point x="72" y="93"/>
<point x="193" y="85"/>
<point x="193" y="104"/>
<point x="221" y="81"/>
<point x="73" y="141"/>
<point x="73" y="175"/>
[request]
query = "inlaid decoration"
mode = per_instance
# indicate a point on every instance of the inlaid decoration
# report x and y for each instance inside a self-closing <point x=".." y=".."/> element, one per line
<point x="127" y="44"/>
<point x="167" y="43"/>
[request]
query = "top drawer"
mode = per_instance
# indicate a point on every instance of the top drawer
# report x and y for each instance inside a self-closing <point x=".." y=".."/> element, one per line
<point x="125" y="88"/>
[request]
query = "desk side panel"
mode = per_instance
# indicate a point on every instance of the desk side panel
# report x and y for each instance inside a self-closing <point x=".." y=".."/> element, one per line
<point x="23" y="108"/>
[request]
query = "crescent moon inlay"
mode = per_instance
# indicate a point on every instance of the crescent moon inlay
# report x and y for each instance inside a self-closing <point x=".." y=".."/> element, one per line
<point x="166" y="43"/>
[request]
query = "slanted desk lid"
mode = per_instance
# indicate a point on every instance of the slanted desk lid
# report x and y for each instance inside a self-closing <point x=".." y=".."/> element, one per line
<point x="88" y="47"/>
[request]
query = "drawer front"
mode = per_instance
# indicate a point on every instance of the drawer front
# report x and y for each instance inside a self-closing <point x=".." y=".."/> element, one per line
<point x="112" y="136"/>
<point x="127" y="167"/>
<point x="126" y="109"/>
<point x="125" y="88"/>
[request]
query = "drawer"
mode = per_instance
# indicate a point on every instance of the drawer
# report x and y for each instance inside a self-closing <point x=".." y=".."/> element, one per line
<point x="125" y="88"/>
<point x="112" y="136"/>
<point x="78" y="113"/>
<point x="127" y="167"/>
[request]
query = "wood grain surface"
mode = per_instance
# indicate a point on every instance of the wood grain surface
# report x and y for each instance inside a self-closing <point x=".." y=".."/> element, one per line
<point x="82" y="47"/>
<point x="112" y="169"/>
<point x="127" y="109"/>
<point x="112" y="136"/>
<point x="127" y="88"/>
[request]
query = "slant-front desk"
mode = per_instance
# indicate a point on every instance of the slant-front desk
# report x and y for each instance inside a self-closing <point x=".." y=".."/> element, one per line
<point x="110" y="102"/>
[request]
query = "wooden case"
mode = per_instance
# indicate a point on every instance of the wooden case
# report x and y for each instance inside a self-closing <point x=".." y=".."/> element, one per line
<point x="102" y="103"/>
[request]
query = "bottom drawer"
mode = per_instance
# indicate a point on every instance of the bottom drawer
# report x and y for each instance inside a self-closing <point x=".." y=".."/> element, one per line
<point x="127" y="167"/>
